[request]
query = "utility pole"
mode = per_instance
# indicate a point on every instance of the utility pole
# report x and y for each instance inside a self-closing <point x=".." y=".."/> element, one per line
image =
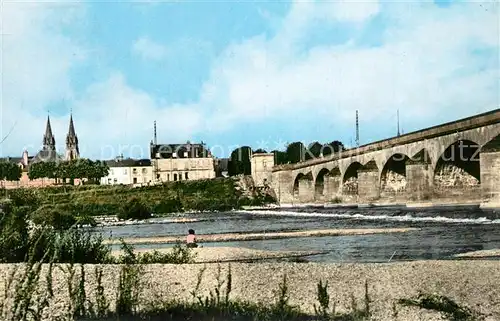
<point x="155" y="151"/>
<point x="357" y="129"/>
<point x="399" y="133"/>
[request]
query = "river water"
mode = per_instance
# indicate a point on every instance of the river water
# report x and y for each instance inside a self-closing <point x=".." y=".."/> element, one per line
<point x="442" y="232"/>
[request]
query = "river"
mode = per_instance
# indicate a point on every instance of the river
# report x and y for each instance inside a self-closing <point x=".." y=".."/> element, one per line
<point x="441" y="233"/>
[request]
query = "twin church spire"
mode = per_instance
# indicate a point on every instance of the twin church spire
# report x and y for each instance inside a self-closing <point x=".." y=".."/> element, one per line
<point x="49" y="142"/>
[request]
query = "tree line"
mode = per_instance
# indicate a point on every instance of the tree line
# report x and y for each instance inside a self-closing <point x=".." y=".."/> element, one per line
<point x="65" y="170"/>
<point x="70" y="170"/>
<point x="239" y="161"/>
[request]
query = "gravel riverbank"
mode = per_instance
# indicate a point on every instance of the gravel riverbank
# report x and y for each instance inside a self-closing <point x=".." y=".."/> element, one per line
<point x="475" y="284"/>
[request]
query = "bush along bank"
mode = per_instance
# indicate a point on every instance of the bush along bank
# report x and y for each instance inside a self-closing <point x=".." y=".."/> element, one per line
<point x="83" y="202"/>
<point x="22" y="241"/>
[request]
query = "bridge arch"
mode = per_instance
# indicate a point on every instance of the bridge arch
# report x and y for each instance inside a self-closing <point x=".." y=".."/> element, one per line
<point x="299" y="190"/>
<point x="393" y="175"/>
<point x="350" y="179"/>
<point x="492" y="146"/>
<point x="319" y="183"/>
<point x="458" y="168"/>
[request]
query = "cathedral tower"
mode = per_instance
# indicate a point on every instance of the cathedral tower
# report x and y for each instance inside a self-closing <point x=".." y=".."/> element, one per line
<point x="72" y="151"/>
<point x="49" y="142"/>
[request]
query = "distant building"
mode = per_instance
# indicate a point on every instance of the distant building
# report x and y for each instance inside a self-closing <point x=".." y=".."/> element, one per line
<point x="178" y="162"/>
<point x="72" y="150"/>
<point x="46" y="154"/>
<point x="262" y="165"/>
<point x="128" y="172"/>
<point x="222" y="167"/>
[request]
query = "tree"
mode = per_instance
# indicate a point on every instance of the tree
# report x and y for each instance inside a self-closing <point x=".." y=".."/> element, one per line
<point x="280" y="157"/>
<point x="313" y="150"/>
<point x="333" y="147"/>
<point x="260" y="150"/>
<point x="10" y="171"/>
<point x="295" y="152"/>
<point x="239" y="163"/>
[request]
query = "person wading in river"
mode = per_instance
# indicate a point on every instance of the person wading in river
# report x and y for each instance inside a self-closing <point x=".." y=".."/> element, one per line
<point x="191" y="239"/>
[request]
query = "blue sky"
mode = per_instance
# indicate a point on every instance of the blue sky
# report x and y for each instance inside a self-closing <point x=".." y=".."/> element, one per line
<point x="241" y="73"/>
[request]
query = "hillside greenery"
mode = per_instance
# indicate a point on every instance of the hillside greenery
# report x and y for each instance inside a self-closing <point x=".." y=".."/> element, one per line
<point x="127" y="202"/>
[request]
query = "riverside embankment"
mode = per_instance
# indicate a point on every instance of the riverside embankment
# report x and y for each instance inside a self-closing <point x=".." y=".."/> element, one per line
<point x="475" y="284"/>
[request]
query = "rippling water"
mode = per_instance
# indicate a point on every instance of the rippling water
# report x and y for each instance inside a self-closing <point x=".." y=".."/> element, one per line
<point x="443" y="232"/>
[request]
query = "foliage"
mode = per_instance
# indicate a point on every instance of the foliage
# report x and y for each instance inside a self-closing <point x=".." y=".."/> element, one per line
<point x="13" y="232"/>
<point x="260" y="150"/>
<point x="239" y="162"/>
<point x="169" y="205"/>
<point x="68" y="246"/>
<point x="333" y="147"/>
<point x="134" y="209"/>
<point x="178" y="255"/>
<point x="449" y="308"/>
<point x="10" y="171"/>
<point x="313" y="151"/>
<point x="280" y="157"/>
<point x="53" y="217"/>
<point x="77" y="168"/>
<point x="295" y="152"/>
<point x="23" y="197"/>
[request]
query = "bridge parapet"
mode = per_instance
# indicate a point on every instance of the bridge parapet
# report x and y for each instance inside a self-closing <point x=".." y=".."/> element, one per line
<point x="481" y="120"/>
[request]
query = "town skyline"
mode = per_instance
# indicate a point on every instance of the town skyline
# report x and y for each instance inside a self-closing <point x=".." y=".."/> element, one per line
<point x="251" y="72"/>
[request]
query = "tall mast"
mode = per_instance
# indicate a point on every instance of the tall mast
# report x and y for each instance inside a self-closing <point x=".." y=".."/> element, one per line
<point x="357" y="129"/>
<point x="399" y="133"/>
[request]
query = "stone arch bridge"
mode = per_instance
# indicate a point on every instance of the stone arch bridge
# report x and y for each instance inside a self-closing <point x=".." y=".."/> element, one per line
<point x="458" y="160"/>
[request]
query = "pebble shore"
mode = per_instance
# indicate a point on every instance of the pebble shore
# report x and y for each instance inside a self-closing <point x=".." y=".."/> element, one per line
<point x="475" y="284"/>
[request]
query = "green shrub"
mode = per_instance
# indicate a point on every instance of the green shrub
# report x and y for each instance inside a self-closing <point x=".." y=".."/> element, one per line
<point x="14" y="237"/>
<point x="166" y="206"/>
<point x="69" y="246"/>
<point x="134" y="209"/>
<point x="56" y="217"/>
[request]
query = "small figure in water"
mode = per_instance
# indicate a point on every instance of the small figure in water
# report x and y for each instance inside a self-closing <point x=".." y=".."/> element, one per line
<point x="191" y="239"/>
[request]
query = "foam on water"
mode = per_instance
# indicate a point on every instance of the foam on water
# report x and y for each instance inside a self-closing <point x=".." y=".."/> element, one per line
<point x="402" y="218"/>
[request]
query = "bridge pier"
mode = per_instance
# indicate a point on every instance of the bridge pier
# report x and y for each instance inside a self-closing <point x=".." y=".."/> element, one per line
<point x="332" y="187"/>
<point x="368" y="184"/>
<point x="419" y="177"/>
<point x="490" y="171"/>
<point x="281" y="185"/>
<point x="306" y="190"/>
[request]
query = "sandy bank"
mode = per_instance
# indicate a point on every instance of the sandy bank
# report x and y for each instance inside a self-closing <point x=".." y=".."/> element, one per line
<point x="260" y="236"/>
<point x="473" y="283"/>
<point x="483" y="253"/>
<point x="232" y="254"/>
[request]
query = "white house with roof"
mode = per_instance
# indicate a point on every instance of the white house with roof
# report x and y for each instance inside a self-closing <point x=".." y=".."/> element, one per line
<point x="128" y="172"/>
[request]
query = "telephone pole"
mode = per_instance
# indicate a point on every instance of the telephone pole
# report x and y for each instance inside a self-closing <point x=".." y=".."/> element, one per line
<point x="155" y="151"/>
<point x="357" y="129"/>
<point x="399" y="133"/>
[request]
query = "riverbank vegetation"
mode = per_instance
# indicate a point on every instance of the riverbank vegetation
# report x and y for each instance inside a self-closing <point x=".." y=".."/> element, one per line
<point x="84" y="201"/>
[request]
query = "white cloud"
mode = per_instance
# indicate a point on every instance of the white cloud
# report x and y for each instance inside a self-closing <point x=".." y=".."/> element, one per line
<point x="148" y="49"/>
<point x="424" y="66"/>
<point x="36" y="62"/>
<point x="124" y="116"/>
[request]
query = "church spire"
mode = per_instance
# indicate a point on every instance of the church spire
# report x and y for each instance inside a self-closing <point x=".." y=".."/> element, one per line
<point x="72" y="151"/>
<point x="49" y="142"/>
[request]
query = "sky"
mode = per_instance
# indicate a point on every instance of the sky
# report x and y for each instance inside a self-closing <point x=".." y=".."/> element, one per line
<point x="236" y="73"/>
